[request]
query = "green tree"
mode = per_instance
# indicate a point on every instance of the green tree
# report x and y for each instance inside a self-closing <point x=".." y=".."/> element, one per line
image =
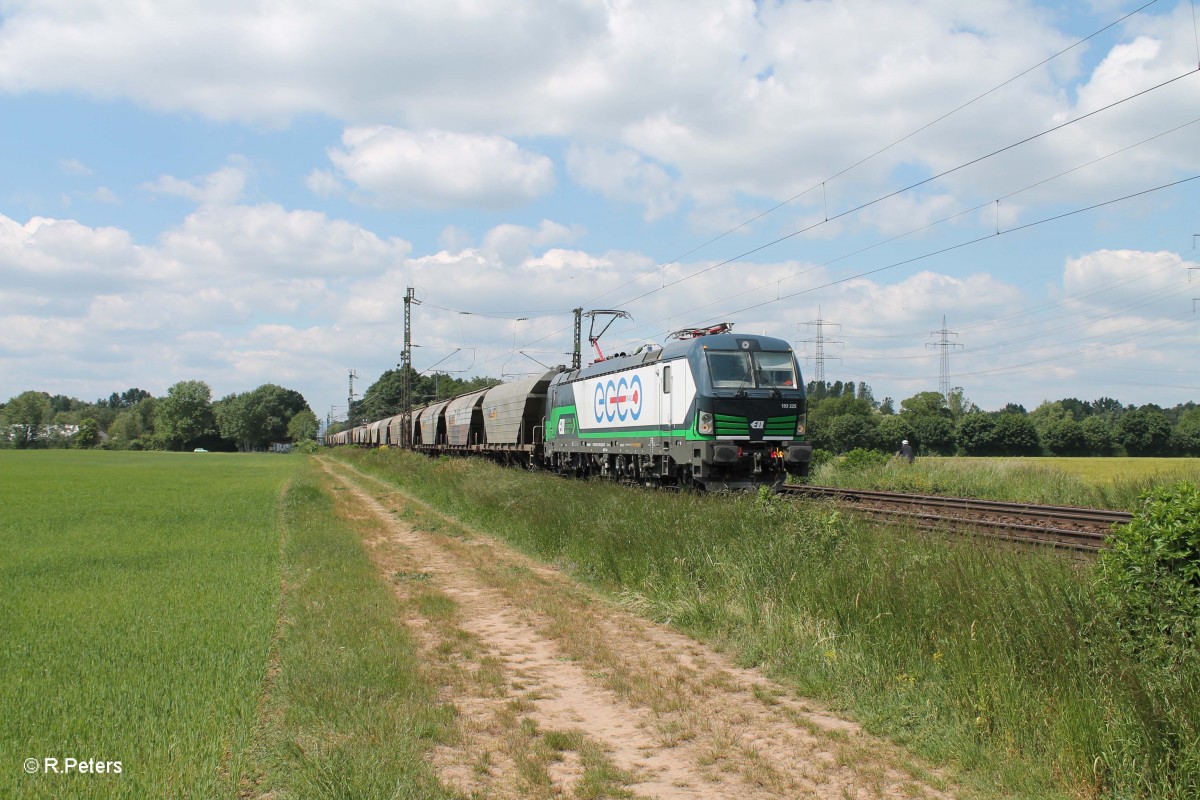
<point x="891" y="430"/>
<point x="1065" y="437"/>
<point x="126" y="399"/>
<point x="1107" y="406"/>
<point x="959" y="405"/>
<point x="822" y="413"/>
<point x="255" y="419"/>
<point x="25" y="416"/>
<point x="1078" y="409"/>
<point x="1186" y="437"/>
<point x="275" y="406"/>
<point x="1145" y="432"/>
<point x="1099" y="436"/>
<point x="852" y="431"/>
<point x="236" y="421"/>
<point x="88" y="433"/>
<point x="922" y="403"/>
<point x="932" y="434"/>
<point x="1016" y="435"/>
<point x="303" y="426"/>
<point x="929" y="417"/>
<point x="60" y="403"/>
<point x="133" y="428"/>
<point x="976" y="434"/>
<point x="185" y="415"/>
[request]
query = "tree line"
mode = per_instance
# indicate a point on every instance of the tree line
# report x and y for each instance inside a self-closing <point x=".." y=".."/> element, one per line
<point x="844" y="416"/>
<point x="185" y="418"/>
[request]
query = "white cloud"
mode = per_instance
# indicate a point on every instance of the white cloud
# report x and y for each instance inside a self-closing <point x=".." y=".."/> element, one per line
<point x="72" y="166"/>
<point x="626" y="176"/>
<point x="324" y="183"/>
<point x="222" y="187"/>
<point x="269" y="240"/>
<point x="512" y="244"/>
<point x="65" y="256"/>
<point x="243" y="295"/>
<point x="402" y="169"/>
<point x="454" y="237"/>
<point x="704" y="101"/>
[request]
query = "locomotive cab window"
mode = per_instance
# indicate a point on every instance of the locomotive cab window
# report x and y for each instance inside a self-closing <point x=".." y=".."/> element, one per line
<point x="666" y="380"/>
<point x="739" y="369"/>
<point x="730" y="369"/>
<point x="776" y="370"/>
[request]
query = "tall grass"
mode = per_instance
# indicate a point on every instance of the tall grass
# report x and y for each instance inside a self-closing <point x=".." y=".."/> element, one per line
<point x="1047" y="481"/>
<point x="139" y="595"/>
<point x="994" y="660"/>
<point x="348" y="712"/>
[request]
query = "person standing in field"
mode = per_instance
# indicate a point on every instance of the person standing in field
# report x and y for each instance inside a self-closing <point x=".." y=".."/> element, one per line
<point x="906" y="451"/>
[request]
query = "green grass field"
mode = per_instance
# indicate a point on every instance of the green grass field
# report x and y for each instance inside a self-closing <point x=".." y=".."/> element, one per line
<point x="1114" y="483"/>
<point x="1112" y="470"/>
<point x="140" y="623"/>
<point x="140" y="593"/>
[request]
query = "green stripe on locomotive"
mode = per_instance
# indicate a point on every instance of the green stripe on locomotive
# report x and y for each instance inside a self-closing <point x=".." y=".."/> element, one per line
<point x="570" y="429"/>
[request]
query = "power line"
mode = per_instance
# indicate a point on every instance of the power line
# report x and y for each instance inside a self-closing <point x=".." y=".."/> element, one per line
<point x="944" y="250"/>
<point x="948" y="218"/>
<point x="998" y="232"/>
<point x="895" y="193"/>
<point x="884" y="149"/>
<point x="911" y="186"/>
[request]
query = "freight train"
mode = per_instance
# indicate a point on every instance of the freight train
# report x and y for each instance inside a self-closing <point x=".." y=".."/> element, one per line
<point x="711" y="410"/>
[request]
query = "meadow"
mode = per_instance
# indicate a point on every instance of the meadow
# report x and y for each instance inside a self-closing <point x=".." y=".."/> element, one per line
<point x="999" y="664"/>
<point x="140" y="595"/>
<point x="1114" y="483"/>
<point x="189" y="616"/>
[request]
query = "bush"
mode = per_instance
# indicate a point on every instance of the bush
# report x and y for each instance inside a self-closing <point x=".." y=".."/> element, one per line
<point x="1150" y="578"/>
<point x="821" y="456"/>
<point x="860" y="459"/>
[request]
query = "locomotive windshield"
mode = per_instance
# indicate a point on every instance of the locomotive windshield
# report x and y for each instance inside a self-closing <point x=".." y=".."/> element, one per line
<point x="776" y="370"/>
<point x="743" y="369"/>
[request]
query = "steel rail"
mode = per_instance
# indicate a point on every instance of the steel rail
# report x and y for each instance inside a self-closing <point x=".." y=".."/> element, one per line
<point x="1023" y="522"/>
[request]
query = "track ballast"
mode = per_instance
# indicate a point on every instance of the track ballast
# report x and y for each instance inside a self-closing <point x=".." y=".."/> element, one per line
<point x="1068" y="527"/>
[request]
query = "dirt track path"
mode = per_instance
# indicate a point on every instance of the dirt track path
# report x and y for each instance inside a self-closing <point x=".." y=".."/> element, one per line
<point x="562" y="694"/>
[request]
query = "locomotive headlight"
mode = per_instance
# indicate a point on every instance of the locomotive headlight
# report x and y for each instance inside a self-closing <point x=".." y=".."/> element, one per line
<point x="801" y="427"/>
<point x="705" y="423"/>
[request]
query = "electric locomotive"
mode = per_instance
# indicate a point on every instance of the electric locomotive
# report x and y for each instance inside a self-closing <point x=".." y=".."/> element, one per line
<point x="711" y="409"/>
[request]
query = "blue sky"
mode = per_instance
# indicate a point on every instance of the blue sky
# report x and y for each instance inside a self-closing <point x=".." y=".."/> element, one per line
<point x="241" y="192"/>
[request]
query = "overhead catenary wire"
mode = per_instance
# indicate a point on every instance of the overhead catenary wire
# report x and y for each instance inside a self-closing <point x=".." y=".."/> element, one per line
<point x="677" y="313"/>
<point x="916" y="184"/>
<point x="897" y="192"/>
<point x="880" y="151"/>
<point x="887" y="147"/>
<point x="989" y="236"/>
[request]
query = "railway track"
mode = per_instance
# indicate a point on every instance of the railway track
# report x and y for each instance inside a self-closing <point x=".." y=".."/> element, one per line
<point x="1080" y="529"/>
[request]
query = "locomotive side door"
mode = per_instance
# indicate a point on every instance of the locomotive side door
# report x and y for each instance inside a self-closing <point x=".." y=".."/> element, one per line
<point x="666" y="378"/>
